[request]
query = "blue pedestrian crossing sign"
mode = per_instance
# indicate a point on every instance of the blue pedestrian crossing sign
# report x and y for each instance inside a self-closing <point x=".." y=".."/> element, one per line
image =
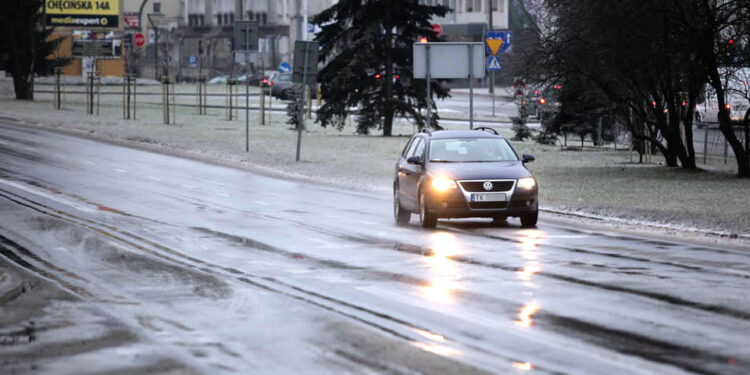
<point x="498" y="41"/>
<point x="494" y="64"/>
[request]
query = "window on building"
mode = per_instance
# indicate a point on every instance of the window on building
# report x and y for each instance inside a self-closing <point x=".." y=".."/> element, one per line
<point x="469" y="6"/>
<point x="478" y="5"/>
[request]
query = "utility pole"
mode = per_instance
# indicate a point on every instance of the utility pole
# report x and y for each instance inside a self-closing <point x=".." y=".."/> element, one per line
<point x="490" y="27"/>
<point x="304" y="20"/>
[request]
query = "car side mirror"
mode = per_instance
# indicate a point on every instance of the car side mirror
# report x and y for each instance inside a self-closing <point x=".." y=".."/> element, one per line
<point x="528" y="158"/>
<point x="414" y="160"/>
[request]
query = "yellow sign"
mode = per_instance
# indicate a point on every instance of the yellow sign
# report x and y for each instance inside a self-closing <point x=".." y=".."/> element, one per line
<point x="82" y="13"/>
<point x="494" y="45"/>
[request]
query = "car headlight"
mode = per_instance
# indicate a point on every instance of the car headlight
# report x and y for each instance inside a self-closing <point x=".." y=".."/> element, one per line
<point x="443" y="184"/>
<point x="526" y="183"/>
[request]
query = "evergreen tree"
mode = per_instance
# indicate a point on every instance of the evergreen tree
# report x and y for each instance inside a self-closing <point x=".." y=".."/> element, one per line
<point x="26" y="46"/>
<point x="366" y="46"/>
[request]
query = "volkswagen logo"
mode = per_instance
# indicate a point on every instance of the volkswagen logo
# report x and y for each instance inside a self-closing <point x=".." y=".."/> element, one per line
<point x="487" y="185"/>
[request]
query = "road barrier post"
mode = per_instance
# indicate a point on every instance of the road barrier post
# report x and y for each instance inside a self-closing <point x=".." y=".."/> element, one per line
<point x="230" y="83"/>
<point x="705" y="143"/>
<point x="202" y="96"/>
<point x="128" y="96"/>
<point x="308" y="95"/>
<point x="98" y="79"/>
<point x="57" y="92"/>
<point x="168" y="100"/>
<point x="262" y="103"/>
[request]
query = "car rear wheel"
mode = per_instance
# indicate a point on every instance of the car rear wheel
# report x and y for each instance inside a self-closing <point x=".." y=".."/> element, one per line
<point x="287" y="94"/>
<point x="401" y="215"/>
<point x="427" y="219"/>
<point x="529" y="220"/>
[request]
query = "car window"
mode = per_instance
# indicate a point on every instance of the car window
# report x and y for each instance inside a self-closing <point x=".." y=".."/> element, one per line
<point x="413" y="147"/>
<point x="419" y="149"/>
<point x="406" y="148"/>
<point x="460" y="150"/>
<point x="284" y="77"/>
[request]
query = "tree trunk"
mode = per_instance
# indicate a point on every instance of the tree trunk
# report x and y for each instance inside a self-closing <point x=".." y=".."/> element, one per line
<point x="24" y="87"/>
<point x="725" y="125"/>
<point x="388" y="84"/>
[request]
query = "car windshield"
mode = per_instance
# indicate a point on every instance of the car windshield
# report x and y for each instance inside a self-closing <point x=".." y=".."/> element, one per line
<point x="466" y="150"/>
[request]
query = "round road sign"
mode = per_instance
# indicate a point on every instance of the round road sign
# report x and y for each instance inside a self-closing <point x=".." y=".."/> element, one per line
<point x="139" y="40"/>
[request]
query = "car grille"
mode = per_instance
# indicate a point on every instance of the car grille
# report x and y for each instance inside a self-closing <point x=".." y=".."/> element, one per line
<point x="488" y="205"/>
<point x="477" y="186"/>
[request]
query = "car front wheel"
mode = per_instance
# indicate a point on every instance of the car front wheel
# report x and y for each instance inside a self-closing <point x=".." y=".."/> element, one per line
<point x="401" y="215"/>
<point x="529" y="220"/>
<point x="427" y="219"/>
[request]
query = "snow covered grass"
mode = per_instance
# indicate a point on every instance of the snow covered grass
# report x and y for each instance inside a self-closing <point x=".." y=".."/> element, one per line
<point x="590" y="182"/>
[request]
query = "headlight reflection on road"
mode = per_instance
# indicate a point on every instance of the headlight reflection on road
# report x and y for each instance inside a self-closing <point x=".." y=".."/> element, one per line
<point x="429" y="335"/>
<point x="437" y="349"/>
<point x="442" y="270"/>
<point x="525" y="366"/>
<point x="530" y="253"/>
<point x="524" y="316"/>
<point x="529" y="270"/>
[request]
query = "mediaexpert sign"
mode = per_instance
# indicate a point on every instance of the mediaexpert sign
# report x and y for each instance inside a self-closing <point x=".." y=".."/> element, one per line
<point x="77" y="13"/>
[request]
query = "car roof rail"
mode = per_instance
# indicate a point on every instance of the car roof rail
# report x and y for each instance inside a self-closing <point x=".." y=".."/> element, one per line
<point x="485" y="128"/>
<point x="426" y="131"/>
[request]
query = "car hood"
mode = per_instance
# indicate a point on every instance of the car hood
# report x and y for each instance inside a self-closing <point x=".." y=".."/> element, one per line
<point x="480" y="171"/>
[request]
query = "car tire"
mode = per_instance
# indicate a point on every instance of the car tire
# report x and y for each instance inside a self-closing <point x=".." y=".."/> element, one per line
<point x="287" y="94"/>
<point x="529" y="220"/>
<point x="499" y="221"/>
<point x="427" y="219"/>
<point x="401" y="215"/>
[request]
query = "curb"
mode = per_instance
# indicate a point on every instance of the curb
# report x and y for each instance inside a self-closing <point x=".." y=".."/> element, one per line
<point x="652" y="224"/>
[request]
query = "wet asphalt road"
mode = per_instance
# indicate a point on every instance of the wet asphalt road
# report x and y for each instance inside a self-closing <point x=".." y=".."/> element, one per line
<point x="200" y="268"/>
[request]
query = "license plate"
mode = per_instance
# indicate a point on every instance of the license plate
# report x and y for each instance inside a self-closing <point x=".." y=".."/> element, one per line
<point x="488" y="197"/>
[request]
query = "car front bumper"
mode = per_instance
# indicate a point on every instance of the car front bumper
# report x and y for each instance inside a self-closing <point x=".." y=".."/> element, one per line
<point x="454" y="205"/>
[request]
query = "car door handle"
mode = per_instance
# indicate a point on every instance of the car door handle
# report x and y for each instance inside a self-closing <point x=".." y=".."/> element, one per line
<point x="404" y="170"/>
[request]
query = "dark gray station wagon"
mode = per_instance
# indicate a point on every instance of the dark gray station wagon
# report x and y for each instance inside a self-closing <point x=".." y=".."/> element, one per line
<point x="454" y="174"/>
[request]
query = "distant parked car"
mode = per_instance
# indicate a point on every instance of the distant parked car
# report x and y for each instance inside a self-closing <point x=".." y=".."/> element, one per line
<point x="218" y="80"/>
<point x="283" y="87"/>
